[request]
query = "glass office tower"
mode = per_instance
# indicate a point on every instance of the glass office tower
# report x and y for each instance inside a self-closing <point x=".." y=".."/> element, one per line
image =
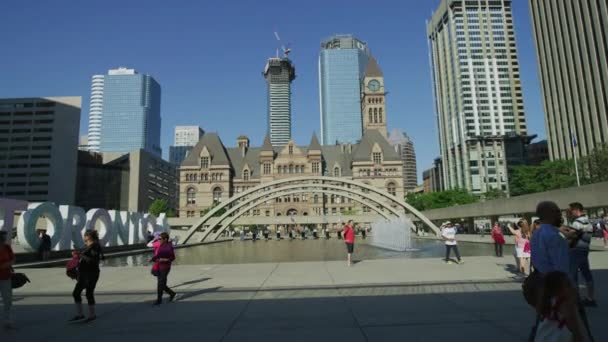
<point x="130" y="114"/>
<point x="342" y="64"/>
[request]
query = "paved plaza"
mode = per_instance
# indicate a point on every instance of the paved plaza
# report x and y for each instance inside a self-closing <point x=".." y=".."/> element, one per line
<point x="375" y="300"/>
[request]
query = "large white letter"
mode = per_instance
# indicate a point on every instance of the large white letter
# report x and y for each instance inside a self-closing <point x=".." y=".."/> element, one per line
<point x="120" y="222"/>
<point x="74" y="220"/>
<point x="26" y="228"/>
<point x="7" y="213"/>
<point x="107" y="236"/>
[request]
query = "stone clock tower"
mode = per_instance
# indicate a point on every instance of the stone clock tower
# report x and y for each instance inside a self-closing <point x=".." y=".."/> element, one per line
<point x="373" y="105"/>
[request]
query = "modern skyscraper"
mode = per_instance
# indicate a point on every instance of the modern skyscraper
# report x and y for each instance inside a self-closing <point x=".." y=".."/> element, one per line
<point x="279" y="72"/>
<point x="432" y="179"/>
<point x="342" y="63"/>
<point x="39" y="148"/>
<point x="125" y="112"/>
<point x="405" y="148"/>
<point x="572" y="50"/>
<point x="373" y="98"/>
<point x="477" y="90"/>
<point x="185" y="138"/>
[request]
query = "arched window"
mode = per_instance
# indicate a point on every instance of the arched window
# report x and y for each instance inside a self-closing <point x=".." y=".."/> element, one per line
<point x="391" y="188"/>
<point x="290" y="168"/>
<point x="217" y="194"/>
<point x="380" y="115"/>
<point x="375" y="117"/>
<point x="315" y="199"/>
<point x="336" y="171"/>
<point x="370" y="115"/>
<point x="246" y="175"/>
<point x="190" y="196"/>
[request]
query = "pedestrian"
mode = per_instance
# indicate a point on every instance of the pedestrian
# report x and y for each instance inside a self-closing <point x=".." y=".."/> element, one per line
<point x="302" y="234"/>
<point x="605" y="232"/>
<point x="88" y="275"/>
<point x="163" y="257"/>
<point x="549" y="253"/>
<point x="522" y="245"/>
<point x="278" y="233"/>
<point x="44" y="247"/>
<point x="339" y="233"/>
<point x="579" y="253"/>
<point x="499" y="239"/>
<point x="557" y="309"/>
<point x="448" y="233"/>
<point x="535" y="227"/>
<point x="290" y="233"/>
<point x="364" y="233"/>
<point x="349" y="239"/>
<point x="7" y="259"/>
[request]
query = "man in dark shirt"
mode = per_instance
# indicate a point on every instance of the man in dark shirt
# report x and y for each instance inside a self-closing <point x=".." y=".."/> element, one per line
<point x="44" y="249"/>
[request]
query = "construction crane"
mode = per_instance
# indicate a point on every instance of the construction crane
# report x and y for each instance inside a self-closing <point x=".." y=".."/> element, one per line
<point x="286" y="49"/>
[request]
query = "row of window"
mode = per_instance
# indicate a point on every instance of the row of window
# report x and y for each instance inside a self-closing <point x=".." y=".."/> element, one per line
<point x="377" y="115"/>
<point x="374" y="100"/>
<point x="377" y="172"/>
<point x="204" y="177"/>
<point x="191" y="195"/>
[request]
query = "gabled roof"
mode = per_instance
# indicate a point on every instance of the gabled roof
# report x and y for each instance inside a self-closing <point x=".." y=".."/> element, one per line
<point x="214" y="145"/>
<point x="373" y="69"/>
<point x="363" y="151"/>
<point x="251" y="159"/>
<point x="267" y="146"/>
<point x="334" y="154"/>
<point x="314" y="143"/>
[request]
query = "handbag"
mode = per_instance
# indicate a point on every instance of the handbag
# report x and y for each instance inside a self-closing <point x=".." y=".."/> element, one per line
<point x="18" y="279"/>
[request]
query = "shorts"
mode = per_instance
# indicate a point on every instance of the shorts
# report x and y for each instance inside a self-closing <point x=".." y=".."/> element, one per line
<point x="350" y="247"/>
<point x="519" y="252"/>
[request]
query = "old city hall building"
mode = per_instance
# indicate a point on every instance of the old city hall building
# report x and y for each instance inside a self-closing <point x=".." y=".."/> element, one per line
<point x="212" y="173"/>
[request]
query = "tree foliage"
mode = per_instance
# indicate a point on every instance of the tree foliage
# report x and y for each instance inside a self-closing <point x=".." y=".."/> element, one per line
<point x="593" y="166"/>
<point x="547" y="176"/>
<point x="217" y="214"/>
<point x="494" y="194"/>
<point x="161" y="206"/>
<point x="443" y="199"/>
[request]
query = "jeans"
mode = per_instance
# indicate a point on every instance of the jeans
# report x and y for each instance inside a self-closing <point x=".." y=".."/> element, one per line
<point x="498" y="249"/>
<point x="579" y="260"/>
<point x="447" y="252"/>
<point x="86" y="281"/>
<point x="161" y="285"/>
<point x="6" y="290"/>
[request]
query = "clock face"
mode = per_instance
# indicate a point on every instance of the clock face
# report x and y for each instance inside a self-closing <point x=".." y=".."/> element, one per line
<point x="373" y="85"/>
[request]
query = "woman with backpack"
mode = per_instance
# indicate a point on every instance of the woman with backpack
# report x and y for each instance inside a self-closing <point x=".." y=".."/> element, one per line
<point x="88" y="275"/>
<point x="163" y="257"/>
<point x="7" y="259"/>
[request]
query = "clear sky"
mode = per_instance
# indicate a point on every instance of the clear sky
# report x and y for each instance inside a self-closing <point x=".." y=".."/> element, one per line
<point x="208" y="57"/>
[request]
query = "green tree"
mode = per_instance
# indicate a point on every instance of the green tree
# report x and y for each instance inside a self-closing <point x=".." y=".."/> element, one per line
<point x="443" y="199"/>
<point x="494" y="193"/>
<point x="160" y="206"/>
<point x="593" y="166"/>
<point x="218" y="213"/>
<point x="550" y="175"/>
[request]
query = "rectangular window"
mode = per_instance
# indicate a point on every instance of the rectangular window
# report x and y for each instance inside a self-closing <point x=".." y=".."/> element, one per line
<point x="205" y="162"/>
<point x="377" y="157"/>
<point x="266" y="168"/>
<point x="315" y="167"/>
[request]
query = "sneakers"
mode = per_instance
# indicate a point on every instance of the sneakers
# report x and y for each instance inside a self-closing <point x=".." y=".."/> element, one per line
<point x="90" y="319"/>
<point x="460" y="262"/>
<point x="157" y="303"/>
<point x="172" y="297"/>
<point x="76" y="318"/>
<point x="450" y="262"/>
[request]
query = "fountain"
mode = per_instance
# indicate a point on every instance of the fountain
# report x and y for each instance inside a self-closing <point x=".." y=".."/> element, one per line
<point x="394" y="234"/>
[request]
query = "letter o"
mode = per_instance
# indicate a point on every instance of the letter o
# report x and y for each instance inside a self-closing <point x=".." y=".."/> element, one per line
<point x="107" y="235"/>
<point x="26" y="227"/>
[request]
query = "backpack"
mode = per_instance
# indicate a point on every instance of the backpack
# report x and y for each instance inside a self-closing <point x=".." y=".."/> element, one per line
<point x="71" y="268"/>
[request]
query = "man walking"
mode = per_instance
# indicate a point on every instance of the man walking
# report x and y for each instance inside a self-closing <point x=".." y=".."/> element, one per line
<point x="579" y="253"/>
<point x="448" y="233"/>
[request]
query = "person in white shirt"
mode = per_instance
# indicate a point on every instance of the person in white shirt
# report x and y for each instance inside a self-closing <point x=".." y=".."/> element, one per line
<point x="448" y="233"/>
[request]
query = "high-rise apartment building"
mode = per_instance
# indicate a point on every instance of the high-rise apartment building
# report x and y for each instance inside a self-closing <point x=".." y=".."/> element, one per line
<point x="279" y="73"/>
<point x="185" y="138"/>
<point x="432" y="178"/>
<point x="39" y="148"/>
<point x="342" y="64"/>
<point x="477" y="88"/>
<point x="572" y="50"/>
<point x="125" y="112"/>
<point x="405" y="148"/>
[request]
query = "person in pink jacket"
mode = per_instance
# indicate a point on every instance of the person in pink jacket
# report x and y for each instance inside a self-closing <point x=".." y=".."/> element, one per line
<point x="163" y="257"/>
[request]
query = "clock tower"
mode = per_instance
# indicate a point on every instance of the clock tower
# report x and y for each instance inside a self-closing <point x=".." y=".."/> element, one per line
<point x="373" y="104"/>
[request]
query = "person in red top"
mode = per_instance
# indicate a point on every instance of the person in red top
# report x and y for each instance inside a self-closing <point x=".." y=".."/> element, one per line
<point x="499" y="239"/>
<point x="7" y="259"/>
<point x="349" y="238"/>
<point x="163" y="257"/>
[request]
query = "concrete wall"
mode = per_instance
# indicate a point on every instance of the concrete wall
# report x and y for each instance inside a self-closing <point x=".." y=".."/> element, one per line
<point x="591" y="196"/>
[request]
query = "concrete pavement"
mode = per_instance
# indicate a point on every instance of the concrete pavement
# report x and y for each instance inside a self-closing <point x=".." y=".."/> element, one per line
<point x="375" y="300"/>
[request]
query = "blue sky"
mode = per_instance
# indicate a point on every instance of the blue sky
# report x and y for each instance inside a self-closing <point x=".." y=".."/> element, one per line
<point x="208" y="57"/>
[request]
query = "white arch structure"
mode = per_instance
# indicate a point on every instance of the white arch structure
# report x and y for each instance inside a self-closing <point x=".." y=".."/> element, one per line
<point x="307" y="184"/>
